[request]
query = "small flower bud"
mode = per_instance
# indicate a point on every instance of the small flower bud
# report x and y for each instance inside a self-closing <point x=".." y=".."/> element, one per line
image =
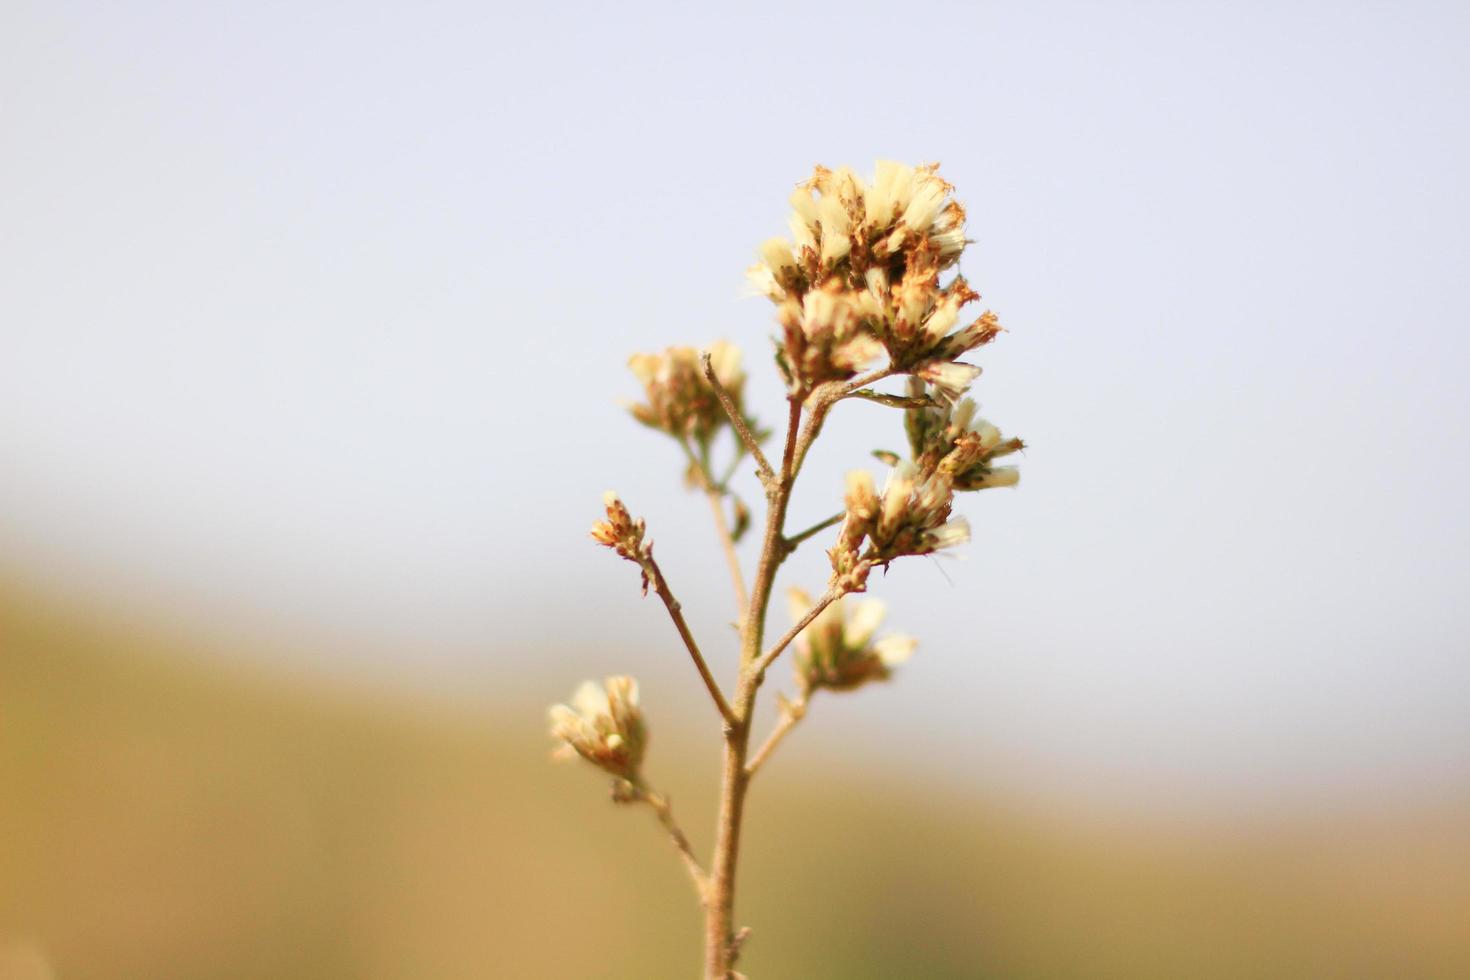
<point x="624" y="535"/>
<point x="619" y="531"/>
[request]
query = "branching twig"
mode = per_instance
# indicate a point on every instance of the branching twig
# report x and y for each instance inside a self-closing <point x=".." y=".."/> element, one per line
<point x="716" y="494"/>
<point x="824" y="398"/>
<point x="893" y="401"/>
<point x="737" y="421"/>
<point x="814" y="530"/>
<point x="727" y="544"/>
<point x="661" y="586"/>
<point x="665" y="813"/>
<point x="792" y="712"/>
<point x="769" y="657"/>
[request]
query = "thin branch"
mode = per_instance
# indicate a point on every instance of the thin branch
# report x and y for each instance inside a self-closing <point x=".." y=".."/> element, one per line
<point x="824" y="398"/>
<point x="723" y="483"/>
<point x="792" y="712"/>
<point x="714" y="492"/>
<point x="661" y="586"/>
<point x="747" y="438"/>
<point x="893" y="401"/>
<point x="815" y="529"/>
<point x="727" y="543"/>
<point x="665" y="813"/>
<point x="791" y="452"/>
<point x="872" y="377"/>
<point x="769" y="657"/>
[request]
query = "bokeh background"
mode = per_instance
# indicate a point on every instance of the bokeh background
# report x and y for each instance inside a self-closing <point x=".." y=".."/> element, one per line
<point x="313" y="320"/>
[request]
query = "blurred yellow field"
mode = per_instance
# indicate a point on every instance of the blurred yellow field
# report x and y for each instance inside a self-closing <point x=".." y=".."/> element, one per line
<point x="165" y="818"/>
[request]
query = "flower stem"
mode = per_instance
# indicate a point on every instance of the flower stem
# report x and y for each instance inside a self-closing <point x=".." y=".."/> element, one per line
<point x="828" y="597"/>
<point x="815" y="529"/>
<point x="715" y="492"/>
<point x="676" y="613"/>
<point x="737" y="421"/>
<point x="665" y="812"/>
<point x="791" y="716"/>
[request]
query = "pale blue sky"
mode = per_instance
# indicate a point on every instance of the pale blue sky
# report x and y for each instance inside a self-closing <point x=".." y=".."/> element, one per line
<point x="317" y="313"/>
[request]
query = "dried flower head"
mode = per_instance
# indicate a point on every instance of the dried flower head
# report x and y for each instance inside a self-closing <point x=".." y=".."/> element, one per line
<point x="910" y="517"/>
<point x="603" y="725"/>
<point x="836" y="651"/>
<point x="680" y="399"/>
<point x="953" y="440"/>
<point x="873" y="254"/>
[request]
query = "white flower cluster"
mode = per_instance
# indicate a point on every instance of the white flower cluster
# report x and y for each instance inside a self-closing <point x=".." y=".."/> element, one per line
<point x="861" y="276"/>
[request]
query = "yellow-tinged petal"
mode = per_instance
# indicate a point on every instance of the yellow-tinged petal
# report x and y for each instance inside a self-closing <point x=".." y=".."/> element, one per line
<point x="862" y="622"/>
<point x="895" y="650"/>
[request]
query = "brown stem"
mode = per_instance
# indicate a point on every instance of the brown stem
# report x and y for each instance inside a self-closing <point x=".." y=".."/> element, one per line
<point x="676" y="613"/>
<point x="824" y="398"/>
<point x="752" y="446"/>
<point x="719" y="935"/>
<point x="828" y="597"/>
<point x="791" y="715"/>
<point x="815" y="529"/>
<point x="713" y="491"/>
<point x="727" y="543"/>
<point x="665" y="813"/>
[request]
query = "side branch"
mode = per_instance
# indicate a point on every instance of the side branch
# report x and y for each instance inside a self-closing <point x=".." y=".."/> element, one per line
<point x="747" y="438"/>
<point x="824" y="398"/>
<point x="727" y="544"/>
<point x="814" y="530"/>
<point x="769" y="657"/>
<point x="665" y="813"/>
<point x="791" y="715"/>
<point x="715" y="493"/>
<point x="676" y="613"/>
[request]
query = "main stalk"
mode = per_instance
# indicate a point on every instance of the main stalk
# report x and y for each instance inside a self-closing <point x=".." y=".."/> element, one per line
<point x="720" y="909"/>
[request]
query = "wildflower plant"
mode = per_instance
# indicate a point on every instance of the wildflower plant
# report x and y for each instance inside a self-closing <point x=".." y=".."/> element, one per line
<point x="866" y="290"/>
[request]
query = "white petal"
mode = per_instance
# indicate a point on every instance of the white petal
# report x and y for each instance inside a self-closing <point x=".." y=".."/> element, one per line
<point x="919" y="215"/>
<point x="952" y="376"/>
<point x="863" y="622"/>
<point x="805" y="205"/>
<point x="895" y="650"/>
<point x="590" y="700"/>
<point x="776" y="254"/>
<point x="989" y="435"/>
<point x="798" y="603"/>
<point x="945" y="316"/>
<point x="724" y="357"/>
<point x="1001" y="476"/>
<point x="955" y="532"/>
<point x="764" y="282"/>
<point x="896" y="492"/>
<point x="644" y="367"/>
<point x="801" y="232"/>
<point x="964" y="412"/>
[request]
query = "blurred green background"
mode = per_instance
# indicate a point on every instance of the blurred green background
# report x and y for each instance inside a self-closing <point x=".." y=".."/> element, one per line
<point x="179" y="817"/>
